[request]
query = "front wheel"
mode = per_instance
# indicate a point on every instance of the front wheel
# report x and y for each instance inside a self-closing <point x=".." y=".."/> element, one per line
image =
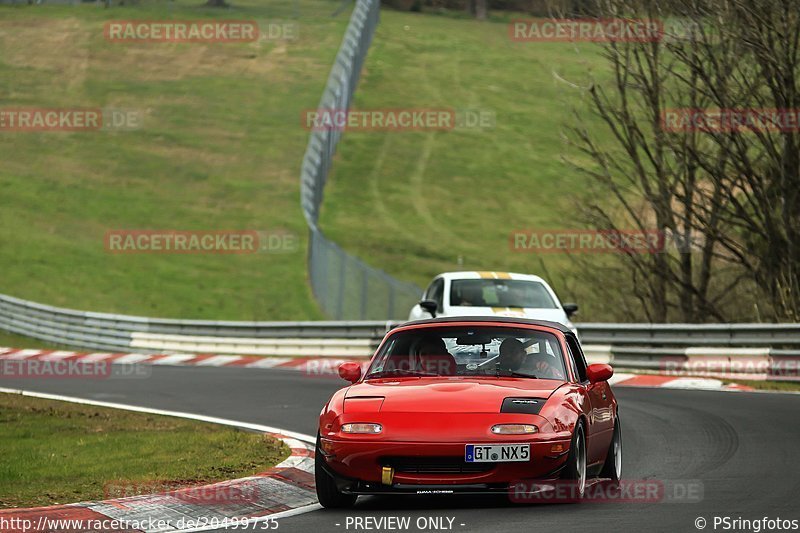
<point x="612" y="468"/>
<point x="328" y="493"/>
<point x="575" y="469"/>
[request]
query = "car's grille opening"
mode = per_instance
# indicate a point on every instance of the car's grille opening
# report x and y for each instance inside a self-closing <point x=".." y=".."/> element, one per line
<point x="435" y="465"/>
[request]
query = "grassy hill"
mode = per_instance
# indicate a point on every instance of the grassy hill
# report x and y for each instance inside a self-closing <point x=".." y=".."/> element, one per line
<point x="417" y="203"/>
<point x="221" y="147"/>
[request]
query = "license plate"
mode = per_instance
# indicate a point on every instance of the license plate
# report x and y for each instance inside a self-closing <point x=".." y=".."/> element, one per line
<point x="497" y="453"/>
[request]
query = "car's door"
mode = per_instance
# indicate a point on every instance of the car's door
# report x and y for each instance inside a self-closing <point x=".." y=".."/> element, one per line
<point x="600" y="408"/>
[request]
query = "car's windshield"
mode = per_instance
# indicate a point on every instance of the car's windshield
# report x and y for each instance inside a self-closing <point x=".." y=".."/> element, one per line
<point x="500" y="293"/>
<point x="470" y="351"/>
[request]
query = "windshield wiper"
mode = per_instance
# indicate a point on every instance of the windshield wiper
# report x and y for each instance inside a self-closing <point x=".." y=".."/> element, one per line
<point x="511" y="373"/>
<point x="398" y="372"/>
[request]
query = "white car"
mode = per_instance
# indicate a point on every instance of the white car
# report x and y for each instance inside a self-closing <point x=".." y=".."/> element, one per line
<point x="492" y="294"/>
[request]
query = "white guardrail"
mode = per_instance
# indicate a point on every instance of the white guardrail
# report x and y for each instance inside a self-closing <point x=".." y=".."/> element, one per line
<point x="126" y="333"/>
<point x="650" y="347"/>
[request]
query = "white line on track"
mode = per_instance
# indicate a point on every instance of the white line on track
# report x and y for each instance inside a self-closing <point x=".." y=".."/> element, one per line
<point x="242" y="523"/>
<point x="200" y="418"/>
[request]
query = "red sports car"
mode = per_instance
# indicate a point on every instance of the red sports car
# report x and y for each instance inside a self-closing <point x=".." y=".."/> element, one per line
<point x="471" y="405"/>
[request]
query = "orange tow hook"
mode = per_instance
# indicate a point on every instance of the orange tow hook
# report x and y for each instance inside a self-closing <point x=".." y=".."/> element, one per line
<point x="387" y="474"/>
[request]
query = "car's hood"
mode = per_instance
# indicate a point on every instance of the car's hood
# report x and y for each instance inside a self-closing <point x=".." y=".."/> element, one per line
<point x="443" y="394"/>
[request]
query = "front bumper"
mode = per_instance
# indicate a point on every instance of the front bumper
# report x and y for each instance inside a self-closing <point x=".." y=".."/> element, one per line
<point x="433" y="468"/>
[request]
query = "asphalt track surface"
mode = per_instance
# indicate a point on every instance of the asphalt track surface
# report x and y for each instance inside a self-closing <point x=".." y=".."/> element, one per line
<point x="742" y="447"/>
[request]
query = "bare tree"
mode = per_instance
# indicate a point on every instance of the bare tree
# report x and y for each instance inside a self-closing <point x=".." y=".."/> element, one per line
<point x="481" y="9"/>
<point x="477" y="8"/>
<point x="643" y="182"/>
<point x="749" y="65"/>
<point x="728" y="198"/>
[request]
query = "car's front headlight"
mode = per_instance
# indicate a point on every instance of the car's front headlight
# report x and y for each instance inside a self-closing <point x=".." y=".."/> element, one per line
<point x="514" y="429"/>
<point x="362" y="427"/>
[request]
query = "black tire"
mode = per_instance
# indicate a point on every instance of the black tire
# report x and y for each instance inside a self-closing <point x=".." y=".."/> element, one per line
<point x="328" y="493"/>
<point x="612" y="467"/>
<point x="575" y="469"/>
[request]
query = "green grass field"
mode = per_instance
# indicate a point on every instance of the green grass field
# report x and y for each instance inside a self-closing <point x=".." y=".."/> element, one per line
<point x="57" y="452"/>
<point x="221" y="147"/>
<point x="419" y="203"/>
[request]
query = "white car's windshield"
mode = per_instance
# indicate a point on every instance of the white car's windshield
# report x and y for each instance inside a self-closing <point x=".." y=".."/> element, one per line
<point x="470" y="351"/>
<point x="500" y="293"/>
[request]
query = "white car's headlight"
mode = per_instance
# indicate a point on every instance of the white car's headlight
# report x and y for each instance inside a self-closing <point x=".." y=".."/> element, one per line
<point x="514" y="429"/>
<point x="362" y="427"/>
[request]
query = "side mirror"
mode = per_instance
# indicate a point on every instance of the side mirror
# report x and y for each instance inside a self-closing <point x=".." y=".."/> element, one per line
<point x="430" y="306"/>
<point x="599" y="372"/>
<point x="570" y="309"/>
<point x="350" y="371"/>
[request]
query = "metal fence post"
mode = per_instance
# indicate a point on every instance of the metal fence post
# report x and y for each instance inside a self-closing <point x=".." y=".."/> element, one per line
<point x="342" y="283"/>
<point x="390" y="311"/>
<point x="364" y="289"/>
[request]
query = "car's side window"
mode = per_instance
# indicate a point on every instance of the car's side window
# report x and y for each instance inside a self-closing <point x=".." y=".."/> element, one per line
<point x="577" y="357"/>
<point x="572" y="360"/>
<point x="429" y="291"/>
<point x="436" y="292"/>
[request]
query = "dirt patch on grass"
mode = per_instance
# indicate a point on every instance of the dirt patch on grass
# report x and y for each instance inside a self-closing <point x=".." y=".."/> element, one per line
<point x="172" y="62"/>
<point x="56" y="46"/>
<point x="69" y="47"/>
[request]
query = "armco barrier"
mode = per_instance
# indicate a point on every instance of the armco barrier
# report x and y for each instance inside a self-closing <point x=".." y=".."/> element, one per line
<point x="773" y="335"/>
<point x="626" y="346"/>
<point x="155" y="342"/>
<point x="106" y="331"/>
